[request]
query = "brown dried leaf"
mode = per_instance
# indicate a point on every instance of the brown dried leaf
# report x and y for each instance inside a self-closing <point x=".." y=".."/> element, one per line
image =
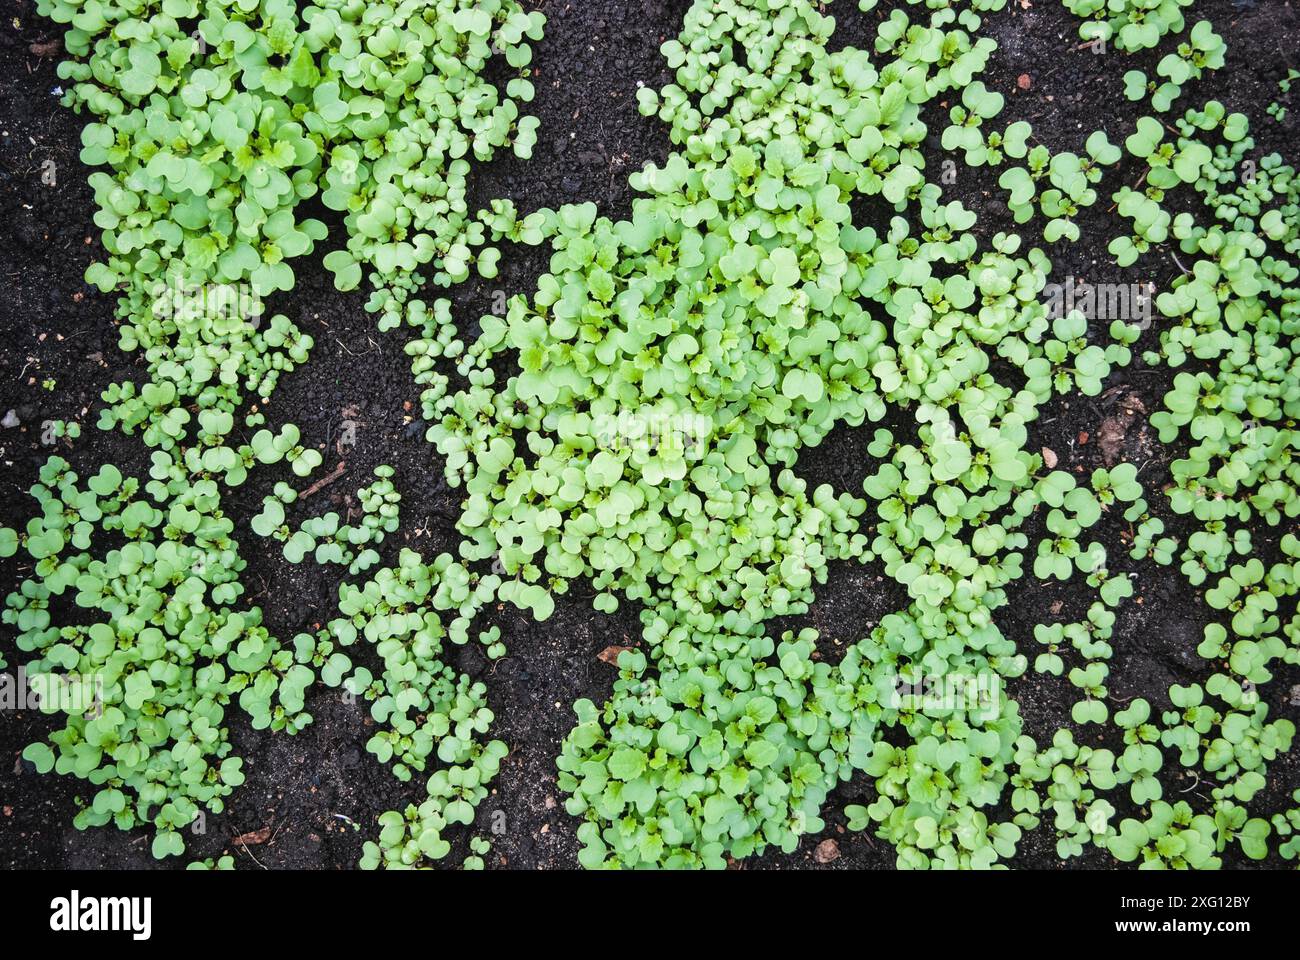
<point x="610" y="654"/>
<point x="1110" y="437"/>
<point x="253" y="837"/>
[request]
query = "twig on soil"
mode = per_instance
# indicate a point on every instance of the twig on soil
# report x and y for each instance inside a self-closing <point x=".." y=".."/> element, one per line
<point x="324" y="481"/>
<point x="349" y="352"/>
<point x="251" y="856"/>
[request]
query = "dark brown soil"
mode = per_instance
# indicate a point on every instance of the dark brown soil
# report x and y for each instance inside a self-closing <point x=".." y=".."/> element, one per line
<point x="319" y="792"/>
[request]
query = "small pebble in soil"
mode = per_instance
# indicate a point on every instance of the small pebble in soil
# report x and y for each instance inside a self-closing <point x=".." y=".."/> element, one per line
<point x="827" y="851"/>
